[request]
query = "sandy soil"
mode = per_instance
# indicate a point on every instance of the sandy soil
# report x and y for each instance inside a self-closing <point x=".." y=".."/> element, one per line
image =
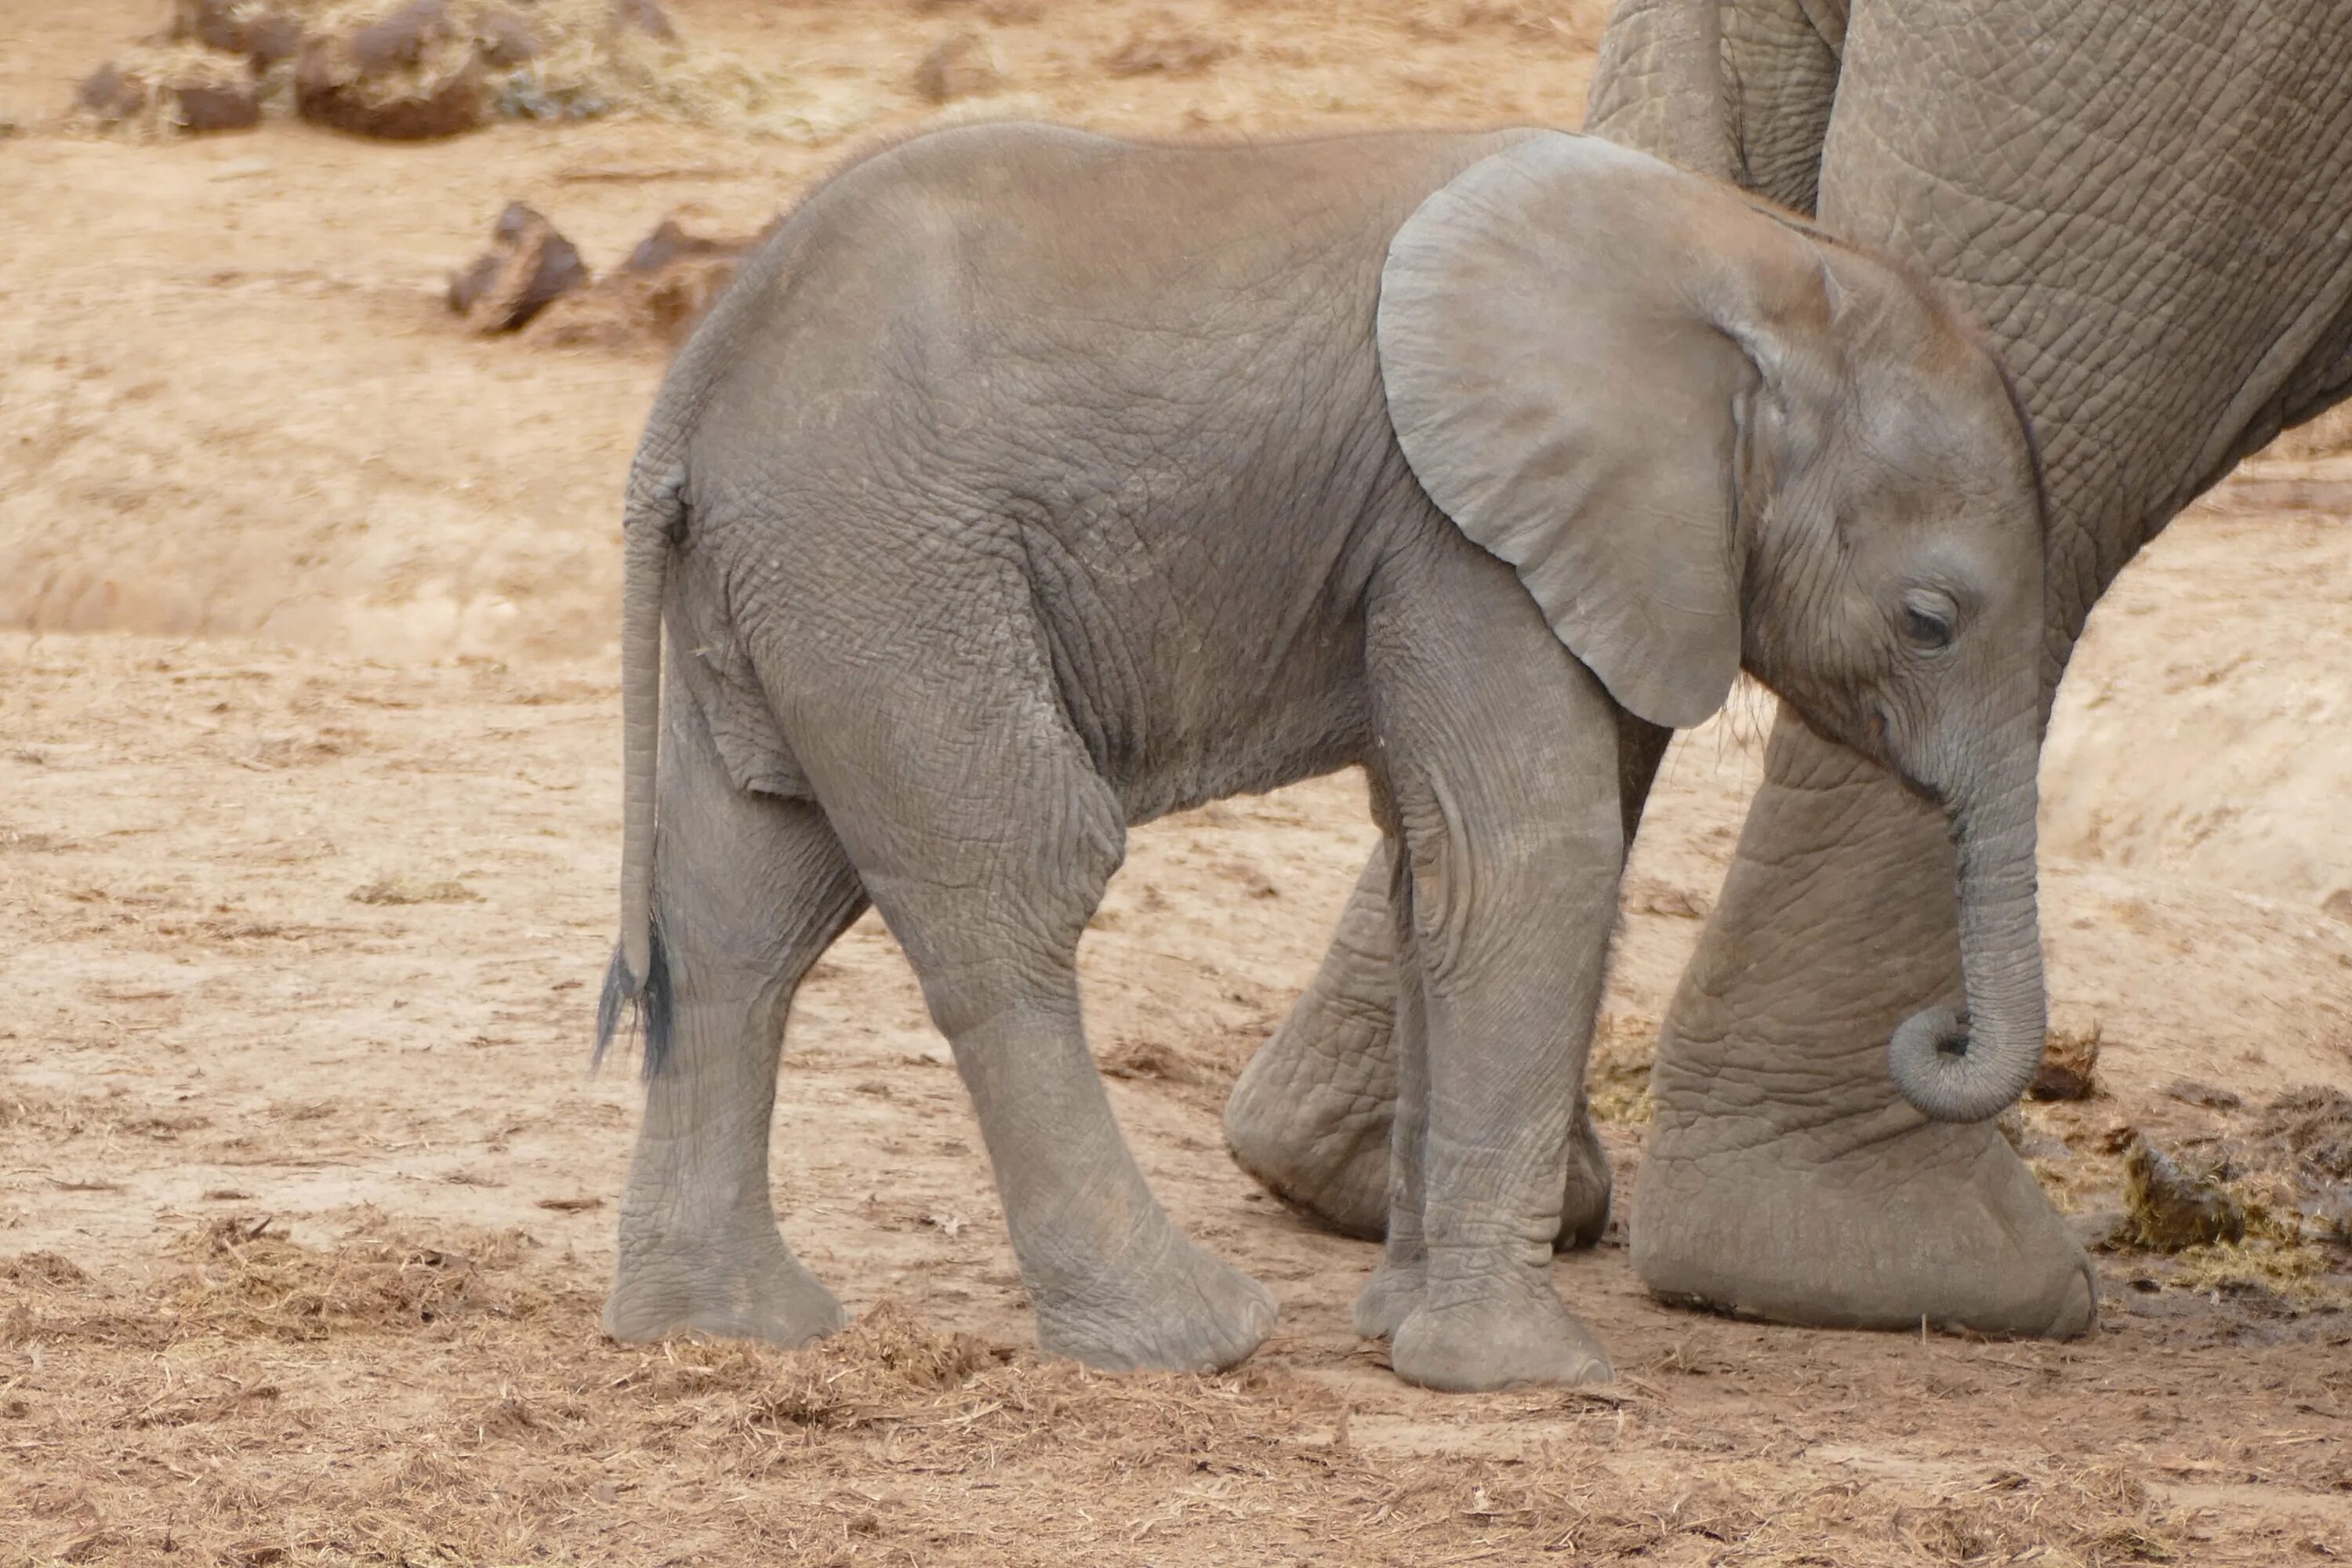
<point x="308" y="824"/>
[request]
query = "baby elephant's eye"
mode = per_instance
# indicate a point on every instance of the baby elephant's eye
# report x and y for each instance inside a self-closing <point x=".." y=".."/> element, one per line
<point x="1927" y="620"/>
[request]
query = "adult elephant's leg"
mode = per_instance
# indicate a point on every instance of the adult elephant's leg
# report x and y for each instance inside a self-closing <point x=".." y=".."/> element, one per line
<point x="2154" y="347"/>
<point x="1310" y="1114"/>
<point x="1735" y="90"/>
<point x="1784" y="1177"/>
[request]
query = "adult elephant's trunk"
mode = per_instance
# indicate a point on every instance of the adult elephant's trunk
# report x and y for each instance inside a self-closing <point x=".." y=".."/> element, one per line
<point x="1970" y="1066"/>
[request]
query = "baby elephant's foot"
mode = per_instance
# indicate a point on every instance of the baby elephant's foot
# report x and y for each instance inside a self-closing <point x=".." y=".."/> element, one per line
<point x="1389" y="1296"/>
<point x="1499" y="1342"/>
<point x="747" y="1290"/>
<point x="1168" y="1305"/>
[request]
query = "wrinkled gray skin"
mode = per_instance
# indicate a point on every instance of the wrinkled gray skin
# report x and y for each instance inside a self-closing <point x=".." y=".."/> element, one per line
<point x="2149" y="204"/>
<point x="1030" y="484"/>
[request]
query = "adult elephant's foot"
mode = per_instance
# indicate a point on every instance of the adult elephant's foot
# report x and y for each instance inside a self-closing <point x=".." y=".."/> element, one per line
<point x="1784" y="1178"/>
<point x="1839" y="1226"/>
<point x="1309" y="1116"/>
<point x="1504" y="1341"/>
<point x="1389" y="1297"/>
<point x="1164" y="1304"/>
<point x="746" y="1287"/>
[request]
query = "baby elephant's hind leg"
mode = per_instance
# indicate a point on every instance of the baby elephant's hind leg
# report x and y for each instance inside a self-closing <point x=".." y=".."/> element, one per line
<point x="988" y="850"/>
<point x="749" y="891"/>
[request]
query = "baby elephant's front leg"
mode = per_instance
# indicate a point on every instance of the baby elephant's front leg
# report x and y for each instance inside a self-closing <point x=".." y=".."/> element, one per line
<point x="1501" y="775"/>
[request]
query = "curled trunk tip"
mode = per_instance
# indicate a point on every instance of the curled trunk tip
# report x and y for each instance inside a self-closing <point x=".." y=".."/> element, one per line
<point x="1971" y="1066"/>
<point x="1949" y="1076"/>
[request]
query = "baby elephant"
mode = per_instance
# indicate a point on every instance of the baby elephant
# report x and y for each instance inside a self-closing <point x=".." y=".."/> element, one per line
<point x="1028" y="484"/>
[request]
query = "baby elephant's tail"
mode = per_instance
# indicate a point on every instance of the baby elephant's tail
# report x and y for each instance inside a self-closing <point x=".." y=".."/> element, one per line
<point x="640" y="971"/>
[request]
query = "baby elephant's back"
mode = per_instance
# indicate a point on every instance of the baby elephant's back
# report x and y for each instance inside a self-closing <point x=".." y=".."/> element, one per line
<point x="974" y="300"/>
<point x="1020" y="234"/>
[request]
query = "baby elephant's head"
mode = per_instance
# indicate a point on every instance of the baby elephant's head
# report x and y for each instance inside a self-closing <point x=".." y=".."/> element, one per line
<point x="1891" y="594"/>
<point x="1707" y="437"/>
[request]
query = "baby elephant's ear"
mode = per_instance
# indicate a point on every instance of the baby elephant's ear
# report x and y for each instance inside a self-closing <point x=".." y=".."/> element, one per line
<point x="1565" y="384"/>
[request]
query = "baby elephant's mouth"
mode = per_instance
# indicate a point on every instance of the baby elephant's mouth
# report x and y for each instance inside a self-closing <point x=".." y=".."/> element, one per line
<point x="1922" y="790"/>
<point x="1882" y="735"/>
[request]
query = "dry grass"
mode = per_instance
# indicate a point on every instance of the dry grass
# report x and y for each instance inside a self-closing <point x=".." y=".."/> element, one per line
<point x="2093" y="1515"/>
<point x="245" y="1280"/>
<point x="1617" y="1073"/>
<point x="2310" y="1130"/>
<point x="239" y="1279"/>
<point x="2253" y="1206"/>
<point x="2285" y="1254"/>
<point x="2290" y="1270"/>
<point x="400" y="888"/>
<point x="393" y="1397"/>
<point x="105" y="1117"/>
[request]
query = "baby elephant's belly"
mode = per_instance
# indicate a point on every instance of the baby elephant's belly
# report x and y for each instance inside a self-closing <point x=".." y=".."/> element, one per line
<point x="1216" y="720"/>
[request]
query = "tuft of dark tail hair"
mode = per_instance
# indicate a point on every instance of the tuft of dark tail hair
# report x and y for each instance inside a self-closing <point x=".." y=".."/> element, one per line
<point x="651" y="1004"/>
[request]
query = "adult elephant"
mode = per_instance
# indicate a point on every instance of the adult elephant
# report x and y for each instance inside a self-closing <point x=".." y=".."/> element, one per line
<point x="2148" y="206"/>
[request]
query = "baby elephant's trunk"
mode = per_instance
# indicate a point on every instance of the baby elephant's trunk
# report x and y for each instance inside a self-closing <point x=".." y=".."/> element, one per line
<point x="1970" y="1066"/>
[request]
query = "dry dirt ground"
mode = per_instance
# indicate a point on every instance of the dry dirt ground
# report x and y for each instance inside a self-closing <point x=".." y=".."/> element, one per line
<point x="308" y="829"/>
